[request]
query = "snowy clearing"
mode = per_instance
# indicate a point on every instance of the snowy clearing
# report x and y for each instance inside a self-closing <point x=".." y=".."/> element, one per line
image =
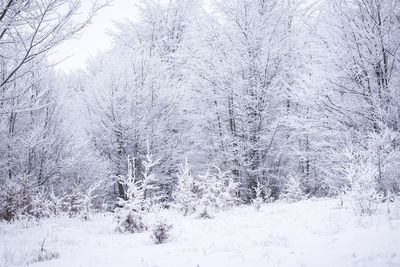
<point x="307" y="233"/>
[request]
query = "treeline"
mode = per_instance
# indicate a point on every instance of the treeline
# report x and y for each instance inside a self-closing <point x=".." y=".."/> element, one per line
<point x="285" y="98"/>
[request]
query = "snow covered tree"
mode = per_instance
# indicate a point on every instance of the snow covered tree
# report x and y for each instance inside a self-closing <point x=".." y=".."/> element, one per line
<point x="133" y="93"/>
<point x="133" y="203"/>
<point x="185" y="195"/>
<point x="161" y="232"/>
<point x="29" y="31"/>
<point x="133" y="199"/>
<point x="292" y="191"/>
<point x="33" y="140"/>
<point x="258" y="197"/>
<point x="248" y="52"/>
<point x="360" y="174"/>
<point x="357" y="78"/>
<point x="216" y="190"/>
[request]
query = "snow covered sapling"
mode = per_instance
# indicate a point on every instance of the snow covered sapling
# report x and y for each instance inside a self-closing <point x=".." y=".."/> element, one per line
<point x="161" y="232"/>
<point x="216" y="190"/>
<point x="185" y="197"/>
<point x="360" y="173"/>
<point x="129" y="217"/>
<point x="140" y="195"/>
<point x="10" y="200"/>
<point x="227" y="190"/>
<point x="258" y="197"/>
<point x="293" y="190"/>
<point x="44" y="254"/>
<point x="134" y="191"/>
<point x="130" y="222"/>
<point x="55" y="203"/>
<point x="21" y="197"/>
<point x="73" y="201"/>
<point x="87" y="200"/>
<point x="151" y="195"/>
<point x="205" y="214"/>
<point x="40" y="205"/>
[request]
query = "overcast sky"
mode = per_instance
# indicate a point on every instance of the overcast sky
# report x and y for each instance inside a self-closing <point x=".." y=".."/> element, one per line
<point x="95" y="37"/>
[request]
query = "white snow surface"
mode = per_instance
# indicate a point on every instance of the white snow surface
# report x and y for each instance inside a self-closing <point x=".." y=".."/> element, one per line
<point x="316" y="232"/>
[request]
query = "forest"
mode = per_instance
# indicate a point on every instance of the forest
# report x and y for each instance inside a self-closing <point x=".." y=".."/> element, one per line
<point x="200" y="107"/>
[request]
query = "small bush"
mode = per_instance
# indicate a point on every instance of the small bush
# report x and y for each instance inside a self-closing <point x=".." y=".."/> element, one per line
<point x="392" y="202"/>
<point x="130" y="222"/>
<point x="45" y="255"/>
<point x="161" y="232"/>
<point x="293" y="191"/>
<point x="205" y="215"/>
<point x="365" y="200"/>
<point x="258" y="196"/>
<point x="10" y="202"/>
<point x="22" y="198"/>
<point x="360" y="173"/>
<point x="185" y="196"/>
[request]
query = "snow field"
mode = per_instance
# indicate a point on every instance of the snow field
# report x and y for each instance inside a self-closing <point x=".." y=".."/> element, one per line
<point x="310" y="233"/>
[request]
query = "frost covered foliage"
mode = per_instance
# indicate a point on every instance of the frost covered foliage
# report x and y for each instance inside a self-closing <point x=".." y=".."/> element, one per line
<point x="361" y="176"/>
<point x="133" y="188"/>
<point x="140" y="196"/>
<point x="80" y="202"/>
<point x="217" y="190"/>
<point x="185" y="195"/>
<point x="161" y="232"/>
<point x="258" y="197"/>
<point x="384" y="152"/>
<point x="130" y="222"/>
<point x="293" y="191"/>
<point x="23" y="198"/>
<point x="370" y="175"/>
<point x="214" y="189"/>
<point x="130" y="216"/>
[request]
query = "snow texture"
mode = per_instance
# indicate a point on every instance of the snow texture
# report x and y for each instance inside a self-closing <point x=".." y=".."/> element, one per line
<point x="306" y="233"/>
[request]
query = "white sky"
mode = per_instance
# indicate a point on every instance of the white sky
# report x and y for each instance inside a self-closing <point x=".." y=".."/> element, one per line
<point x="94" y="38"/>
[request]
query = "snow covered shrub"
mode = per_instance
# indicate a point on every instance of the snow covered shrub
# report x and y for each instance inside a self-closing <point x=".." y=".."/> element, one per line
<point x="87" y="201"/>
<point x="205" y="214"/>
<point x="130" y="222"/>
<point x="44" y="254"/>
<point x="214" y="189"/>
<point x="268" y="198"/>
<point x="137" y="201"/>
<point x="217" y="190"/>
<point x="134" y="190"/>
<point x="40" y="206"/>
<point x="73" y="201"/>
<point x="258" y="198"/>
<point x="9" y="201"/>
<point x="385" y="155"/>
<point x="55" y="203"/>
<point x="293" y="191"/>
<point x="161" y="232"/>
<point x="360" y="173"/>
<point x="185" y="197"/>
<point x="22" y="198"/>
<point x="392" y="202"/>
<point x="140" y="194"/>
<point x="151" y="193"/>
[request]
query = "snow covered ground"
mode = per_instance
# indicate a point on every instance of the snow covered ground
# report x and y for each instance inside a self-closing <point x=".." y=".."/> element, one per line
<point x="308" y="233"/>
